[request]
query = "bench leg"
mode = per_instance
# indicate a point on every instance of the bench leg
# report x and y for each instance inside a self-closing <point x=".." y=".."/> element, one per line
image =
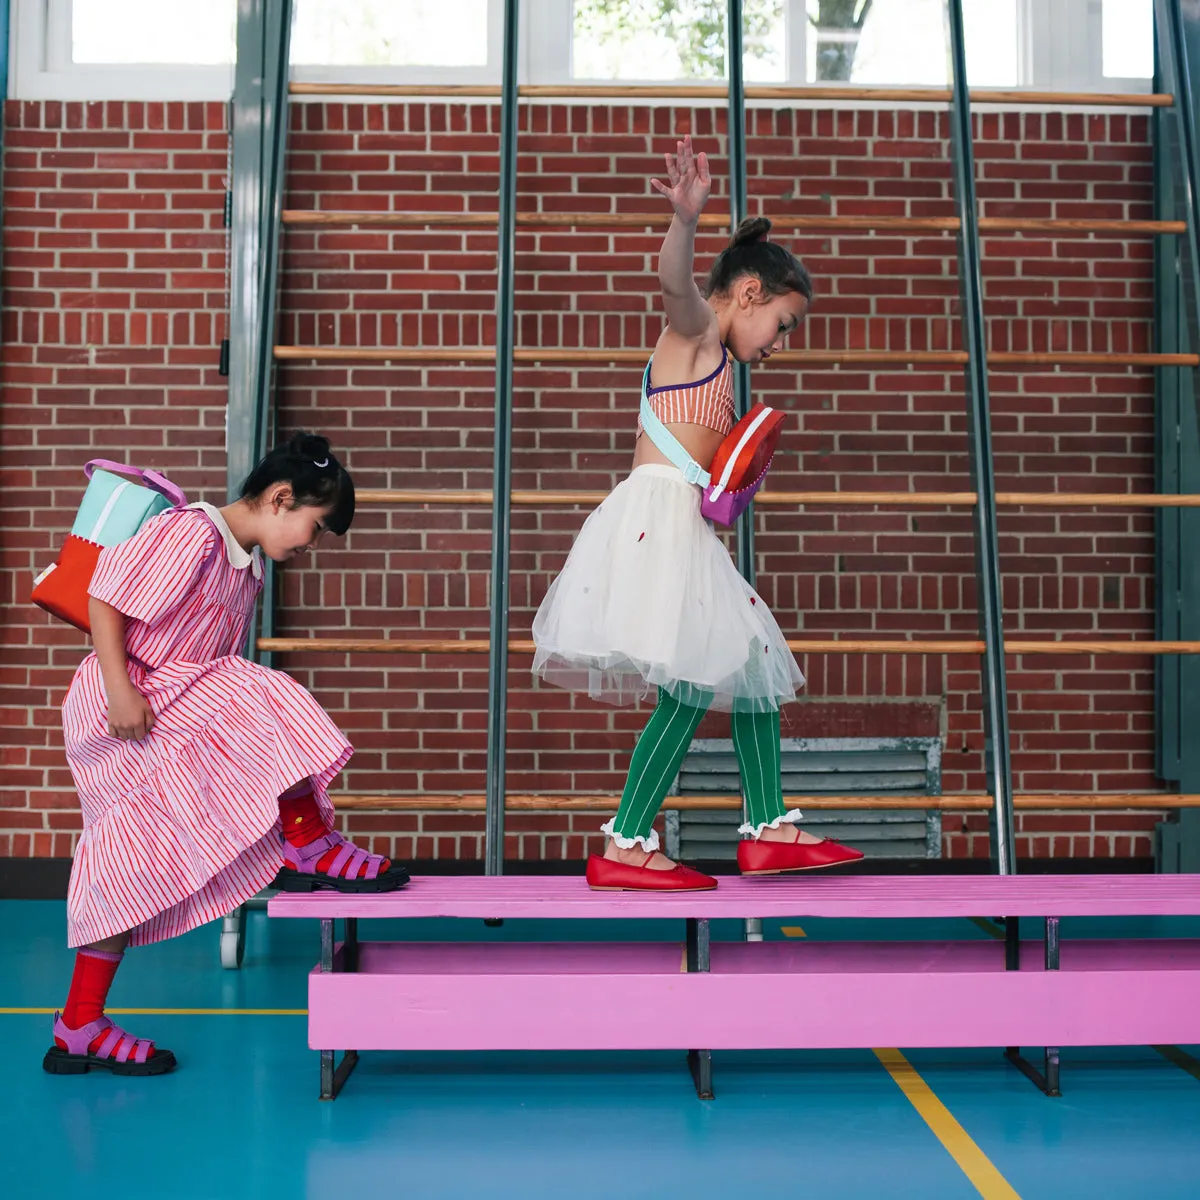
<point x="699" y="959"/>
<point x="333" y="1076"/>
<point x="1046" y="1079"/>
<point x="700" y="1065"/>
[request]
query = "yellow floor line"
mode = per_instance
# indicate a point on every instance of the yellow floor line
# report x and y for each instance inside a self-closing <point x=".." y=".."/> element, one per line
<point x="972" y="1161"/>
<point x="171" y="1012"/>
<point x="991" y="928"/>
<point x="1181" y="1058"/>
<point x="792" y="931"/>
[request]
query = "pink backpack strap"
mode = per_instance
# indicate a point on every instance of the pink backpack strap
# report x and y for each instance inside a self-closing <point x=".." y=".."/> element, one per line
<point x="152" y="479"/>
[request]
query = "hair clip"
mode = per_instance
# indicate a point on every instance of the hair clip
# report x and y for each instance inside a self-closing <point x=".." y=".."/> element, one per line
<point x="322" y="464"/>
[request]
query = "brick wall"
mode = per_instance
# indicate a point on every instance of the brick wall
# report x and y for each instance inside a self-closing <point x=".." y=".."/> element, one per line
<point x="113" y="310"/>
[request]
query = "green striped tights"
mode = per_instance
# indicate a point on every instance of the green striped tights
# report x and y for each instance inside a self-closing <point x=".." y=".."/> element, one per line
<point x="660" y="751"/>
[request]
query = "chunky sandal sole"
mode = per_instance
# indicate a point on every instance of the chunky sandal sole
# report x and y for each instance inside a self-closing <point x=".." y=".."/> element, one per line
<point x="289" y="880"/>
<point x="60" y="1062"/>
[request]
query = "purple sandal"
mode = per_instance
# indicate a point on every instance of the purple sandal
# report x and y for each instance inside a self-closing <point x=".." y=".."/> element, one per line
<point x="342" y="874"/>
<point x="131" y="1058"/>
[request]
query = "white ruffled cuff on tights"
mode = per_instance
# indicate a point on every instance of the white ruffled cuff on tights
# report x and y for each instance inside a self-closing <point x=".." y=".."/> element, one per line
<point x="792" y="817"/>
<point x="649" y="844"/>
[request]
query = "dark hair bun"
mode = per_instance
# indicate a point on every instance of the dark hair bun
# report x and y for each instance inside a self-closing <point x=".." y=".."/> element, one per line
<point x="311" y="446"/>
<point x="752" y="229"/>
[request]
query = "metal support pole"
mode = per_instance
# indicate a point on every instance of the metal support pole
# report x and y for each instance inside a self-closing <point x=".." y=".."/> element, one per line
<point x="326" y="944"/>
<point x="698" y="956"/>
<point x="987" y="555"/>
<point x="1178" y="44"/>
<point x="259" y="135"/>
<point x="1053" y="948"/>
<point x="699" y="945"/>
<point x="734" y="61"/>
<point x="1050" y="1059"/>
<point x="333" y="1073"/>
<point x="1177" y="405"/>
<point x="1048" y="1078"/>
<point x="5" y="24"/>
<point x="502" y="458"/>
<point x="1012" y="943"/>
<point x="1012" y="962"/>
<point x="735" y="66"/>
<point x="259" y="139"/>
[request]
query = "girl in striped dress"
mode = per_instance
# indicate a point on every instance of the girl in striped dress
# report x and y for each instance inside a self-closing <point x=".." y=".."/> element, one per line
<point x="200" y="774"/>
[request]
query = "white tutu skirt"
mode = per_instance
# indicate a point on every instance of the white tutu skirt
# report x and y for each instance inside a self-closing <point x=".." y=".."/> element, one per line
<point x="649" y="597"/>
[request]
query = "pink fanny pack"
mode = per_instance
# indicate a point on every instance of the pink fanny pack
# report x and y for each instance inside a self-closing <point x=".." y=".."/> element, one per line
<point x="739" y="466"/>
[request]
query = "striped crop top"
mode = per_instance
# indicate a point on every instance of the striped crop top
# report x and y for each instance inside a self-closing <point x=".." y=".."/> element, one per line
<point x="707" y="402"/>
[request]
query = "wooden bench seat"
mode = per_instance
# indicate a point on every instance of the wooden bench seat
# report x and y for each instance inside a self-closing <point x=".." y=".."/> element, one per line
<point x="696" y="993"/>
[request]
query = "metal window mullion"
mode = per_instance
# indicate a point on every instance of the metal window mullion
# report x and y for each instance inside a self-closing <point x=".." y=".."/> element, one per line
<point x="1177" y="176"/>
<point x="987" y="557"/>
<point x="734" y="61"/>
<point x="1176" y="35"/>
<point x="5" y="18"/>
<point x="502" y="449"/>
<point x="275" y="163"/>
<point x="1168" y="386"/>
<point x="259" y="134"/>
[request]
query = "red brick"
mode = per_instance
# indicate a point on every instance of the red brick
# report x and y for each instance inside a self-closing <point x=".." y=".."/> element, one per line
<point x="147" y="310"/>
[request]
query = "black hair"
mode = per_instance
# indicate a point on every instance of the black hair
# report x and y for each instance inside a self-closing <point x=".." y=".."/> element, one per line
<point x="750" y="253"/>
<point x="317" y="478"/>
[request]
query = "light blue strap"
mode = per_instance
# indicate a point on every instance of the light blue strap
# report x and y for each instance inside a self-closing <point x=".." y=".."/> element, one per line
<point x="667" y="442"/>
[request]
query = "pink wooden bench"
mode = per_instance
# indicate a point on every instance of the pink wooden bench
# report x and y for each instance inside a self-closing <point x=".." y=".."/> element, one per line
<point x="697" y="993"/>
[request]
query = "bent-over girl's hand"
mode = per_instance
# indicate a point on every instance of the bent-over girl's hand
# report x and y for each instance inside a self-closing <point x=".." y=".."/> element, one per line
<point x="690" y="181"/>
<point x="130" y="716"/>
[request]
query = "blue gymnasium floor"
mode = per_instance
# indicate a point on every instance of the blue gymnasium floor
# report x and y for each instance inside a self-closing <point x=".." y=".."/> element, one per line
<point x="240" y="1117"/>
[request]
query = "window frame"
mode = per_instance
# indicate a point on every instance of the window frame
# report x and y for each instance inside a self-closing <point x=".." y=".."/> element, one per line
<point x="1061" y="49"/>
<point x="41" y="68"/>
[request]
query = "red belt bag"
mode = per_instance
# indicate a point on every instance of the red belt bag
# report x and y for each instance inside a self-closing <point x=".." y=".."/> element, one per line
<point x="739" y="466"/>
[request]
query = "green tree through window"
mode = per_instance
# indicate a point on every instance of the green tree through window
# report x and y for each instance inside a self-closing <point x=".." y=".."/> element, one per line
<point x="836" y="26"/>
<point x="695" y="29"/>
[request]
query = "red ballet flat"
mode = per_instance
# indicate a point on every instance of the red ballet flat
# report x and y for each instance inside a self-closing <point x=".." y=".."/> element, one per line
<point x="608" y="875"/>
<point x="756" y="857"/>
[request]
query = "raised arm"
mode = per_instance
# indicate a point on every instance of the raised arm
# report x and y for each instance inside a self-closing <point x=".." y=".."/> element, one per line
<point x="689" y="182"/>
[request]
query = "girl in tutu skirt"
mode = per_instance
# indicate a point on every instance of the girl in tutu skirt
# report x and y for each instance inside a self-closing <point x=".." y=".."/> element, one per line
<point x="649" y="597"/>
<point x="200" y="774"/>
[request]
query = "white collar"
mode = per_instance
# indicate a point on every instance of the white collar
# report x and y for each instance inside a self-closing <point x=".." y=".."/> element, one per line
<point x="237" y="555"/>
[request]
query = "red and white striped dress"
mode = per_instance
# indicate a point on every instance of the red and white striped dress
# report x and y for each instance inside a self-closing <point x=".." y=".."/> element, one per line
<point x="183" y="826"/>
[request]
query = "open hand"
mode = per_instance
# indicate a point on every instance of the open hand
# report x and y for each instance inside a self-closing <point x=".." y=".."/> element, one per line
<point x="130" y="716"/>
<point x="689" y="179"/>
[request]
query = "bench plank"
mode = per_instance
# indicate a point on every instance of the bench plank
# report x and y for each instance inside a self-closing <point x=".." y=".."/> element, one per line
<point x="605" y="996"/>
<point x="543" y="897"/>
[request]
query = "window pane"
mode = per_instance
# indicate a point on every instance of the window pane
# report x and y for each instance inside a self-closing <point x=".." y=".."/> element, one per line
<point x="1128" y="39"/>
<point x="195" y="32"/>
<point x="674" y="39"/>
<point x="426" y="33"/>
<point x="904" y="42"/>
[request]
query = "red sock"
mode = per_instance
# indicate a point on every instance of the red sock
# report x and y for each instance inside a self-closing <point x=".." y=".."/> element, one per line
<point x="299" y="815"/>
<point x="301" y="821"/>
<point x="94" y="973"/>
